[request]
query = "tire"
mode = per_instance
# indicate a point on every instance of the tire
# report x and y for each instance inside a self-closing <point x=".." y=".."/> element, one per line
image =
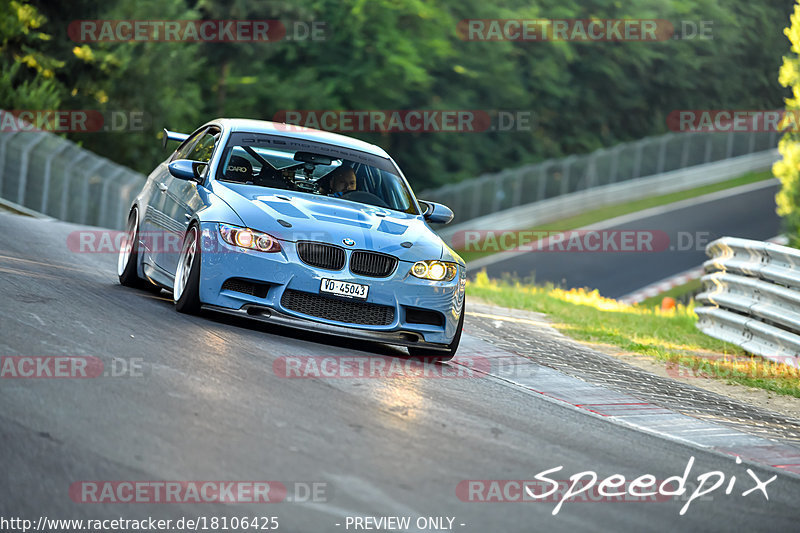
<point x="186" y="289"/>
<point x="128" y="259"/>
<point x="442" y="355"/>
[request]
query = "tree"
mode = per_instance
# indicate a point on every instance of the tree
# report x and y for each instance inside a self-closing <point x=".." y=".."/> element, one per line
<point x="788" y="169"/>
<point x="28" y="79"/>
<point x="397" y="55"/>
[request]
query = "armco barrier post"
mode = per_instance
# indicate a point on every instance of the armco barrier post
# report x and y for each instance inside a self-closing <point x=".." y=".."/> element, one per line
<point x="23" y="170"/>
<point x="85" y="189"/>
<point x="48" y="171"/>
<point x="125" y="198"/>
<point x="5" y="138"/>
<point x="103" y="218"/>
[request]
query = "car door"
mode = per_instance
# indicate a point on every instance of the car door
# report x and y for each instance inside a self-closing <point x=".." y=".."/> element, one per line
<point x="155" y="225"/>
<point x="181" y="200"/>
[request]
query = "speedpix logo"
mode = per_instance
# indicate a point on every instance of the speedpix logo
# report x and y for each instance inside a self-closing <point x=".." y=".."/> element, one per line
<point x="587" y="486"/>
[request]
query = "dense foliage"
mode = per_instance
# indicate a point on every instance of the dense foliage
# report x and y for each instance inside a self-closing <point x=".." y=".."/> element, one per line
<point x="788" y="169"/>
<point x="397" y="54"/>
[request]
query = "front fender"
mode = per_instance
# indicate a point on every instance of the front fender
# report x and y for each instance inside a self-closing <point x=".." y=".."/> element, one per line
<point x="215" y="209"/>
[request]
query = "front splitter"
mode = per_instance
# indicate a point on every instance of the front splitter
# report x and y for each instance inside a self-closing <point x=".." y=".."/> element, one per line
<point x="271" y="316"/>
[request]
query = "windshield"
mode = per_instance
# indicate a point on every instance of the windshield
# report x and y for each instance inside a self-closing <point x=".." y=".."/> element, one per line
<point x="314" y="168"/>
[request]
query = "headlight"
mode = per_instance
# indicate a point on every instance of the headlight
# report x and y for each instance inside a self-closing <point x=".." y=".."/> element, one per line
<point x="247" y="238"/>
<point x="434" y="270"/>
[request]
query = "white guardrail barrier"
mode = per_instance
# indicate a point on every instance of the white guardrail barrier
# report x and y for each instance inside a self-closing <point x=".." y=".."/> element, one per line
<point x="751" y="297"/>
<point x="54" y="176"/>
<point x="530" y="215"/>
<point x="640" y="160"/>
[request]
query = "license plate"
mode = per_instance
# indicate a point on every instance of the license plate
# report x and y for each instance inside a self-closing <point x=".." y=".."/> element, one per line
<point x="344" y="288"/>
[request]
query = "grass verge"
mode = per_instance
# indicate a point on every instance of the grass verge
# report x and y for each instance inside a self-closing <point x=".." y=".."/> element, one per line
<point x="669" y="336"/>
<point x="681" y="293"/>
<point x="605" y="213"/>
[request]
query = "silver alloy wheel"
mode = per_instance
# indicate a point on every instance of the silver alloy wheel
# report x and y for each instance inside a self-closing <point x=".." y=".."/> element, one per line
<point x="188" y="252"/>
<point x="127" y="244"/>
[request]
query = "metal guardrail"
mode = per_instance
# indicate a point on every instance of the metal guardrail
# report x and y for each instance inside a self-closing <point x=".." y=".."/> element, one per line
<point x="751" y="297"/>
<point x="651" y="156"/>
<point x="560" y="207"/>
<point x="49" y="174"/>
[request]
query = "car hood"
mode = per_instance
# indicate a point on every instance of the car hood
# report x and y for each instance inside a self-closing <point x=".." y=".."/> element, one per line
<point x="295" y="216"/>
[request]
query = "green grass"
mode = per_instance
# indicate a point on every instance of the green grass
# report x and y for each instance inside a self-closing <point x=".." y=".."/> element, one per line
<point x="668" y="336"/>
<point x="605" y="213"/>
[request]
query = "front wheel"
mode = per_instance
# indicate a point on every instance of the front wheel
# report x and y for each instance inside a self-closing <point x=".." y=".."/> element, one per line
<point x="442" y="355"/>
<point x="186" y="289"/>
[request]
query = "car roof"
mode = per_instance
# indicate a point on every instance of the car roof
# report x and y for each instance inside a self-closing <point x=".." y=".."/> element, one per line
<point x="300" y="132"/>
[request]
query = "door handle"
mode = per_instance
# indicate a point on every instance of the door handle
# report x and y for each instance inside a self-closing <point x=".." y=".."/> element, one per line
<point x="162" y="187"/>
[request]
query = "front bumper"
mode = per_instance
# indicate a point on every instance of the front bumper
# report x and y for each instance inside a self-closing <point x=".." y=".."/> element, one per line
<point x="282" y="271"/>
<point x="265" y="314"/>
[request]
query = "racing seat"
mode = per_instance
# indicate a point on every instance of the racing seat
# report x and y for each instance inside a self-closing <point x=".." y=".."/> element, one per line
<point x="239" y="169"/>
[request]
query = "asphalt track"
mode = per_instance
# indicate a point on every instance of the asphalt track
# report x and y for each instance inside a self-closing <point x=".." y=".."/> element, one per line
<point x="747" y="212"/>
<point x="208" y="406"/>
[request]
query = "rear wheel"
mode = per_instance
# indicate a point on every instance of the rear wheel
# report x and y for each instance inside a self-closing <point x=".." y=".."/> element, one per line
<point x="128" y="259"/>
<point x="186" y="290"/>
<point x="442" y="355"/>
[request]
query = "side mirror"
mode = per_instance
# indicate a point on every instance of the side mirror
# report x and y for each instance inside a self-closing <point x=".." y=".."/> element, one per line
<point x="436" y="213"/>
<point x="183" y="169"/>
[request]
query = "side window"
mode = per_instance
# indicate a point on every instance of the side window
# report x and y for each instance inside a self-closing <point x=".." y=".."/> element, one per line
<point x="184" y="149"/>
<point x="205" y="146"/>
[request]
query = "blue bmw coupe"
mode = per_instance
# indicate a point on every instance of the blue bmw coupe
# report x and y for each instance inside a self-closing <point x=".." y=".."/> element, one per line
<point x="299" y="227"/>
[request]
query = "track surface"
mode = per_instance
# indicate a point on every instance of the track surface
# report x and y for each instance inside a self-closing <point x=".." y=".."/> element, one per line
<point x="209" y="407"/>
<point x="749" y="215"/>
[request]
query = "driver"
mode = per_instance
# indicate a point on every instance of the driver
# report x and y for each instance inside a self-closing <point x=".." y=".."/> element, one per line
<point x="343" y="179"/>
